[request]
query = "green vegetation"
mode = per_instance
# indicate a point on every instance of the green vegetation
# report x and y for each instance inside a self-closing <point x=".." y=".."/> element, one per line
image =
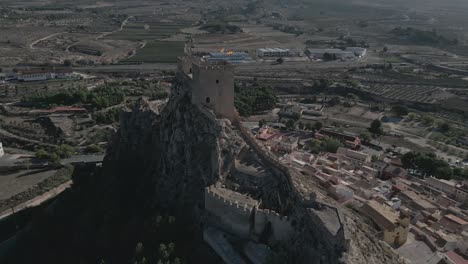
<point x="326" y="145"/>
<point x="57" y="153"/>
<point x="94" y="148"/>
<point x="162" y="247"/>
<point x="428" y="163"/>
<point x="422" y="37"/>
<point x="221" y="27"/>
<point x="365" y="136"/>
<point x="109" y="116"/>
<point x="400" y="110"/>
<point x="256" y="99"/>
<point x="159" y="51"/>
<point x="376" y="127"/>
<point x="99" y="98"/>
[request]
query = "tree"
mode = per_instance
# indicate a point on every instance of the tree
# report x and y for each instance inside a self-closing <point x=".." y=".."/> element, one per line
<point x="94" y="149"/>
<point x="290" y="124"/>
<point x="280" y="60"/>
<point x="262" y="122"/>
<point x="318" y="126"/>
<point x="308" y="126"/>
<point x="67" y="63"/>
<point x="385" y="49"/>
<point x="331" y="145"/>
<point x="314" y="145"/>
<point x="428" y="120"/>
<point x="64" y="151"/>
<point x="327" y="56"/>
<point x="365" y="136"/>
<point x="376" y="127"/>
<point x="400" y="110"/>
<point x="296" y="116"/>
<point x="444" y="127"/>
<point x="301" y="125"/>
<point x="42" y="154"/>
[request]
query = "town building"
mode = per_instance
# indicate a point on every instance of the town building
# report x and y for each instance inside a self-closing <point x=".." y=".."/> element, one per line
<point x="452" y="257"/>
<point x="394" y="225"/>
<point x="285" y="144"/>
<point x="350" y="141"/>
<point x="461" y="195"/>
<point x="415" y="202"/>
<point x="446" y="186"/>
<point x="356" y="155"/>
<point x="43" y="74"/>
<point x="277" y="53"/>
<point x="392" y="171"/>
<point x="334" y="53"/>
<point x="229" y="56"/>
<point x="357" y="51"/>
<point x="2" y="151"/>
<point x="453" y="224"/>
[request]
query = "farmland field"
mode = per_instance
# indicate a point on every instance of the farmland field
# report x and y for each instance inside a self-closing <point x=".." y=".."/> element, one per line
<point x="159" y="51"/>
<point x="148" y="30"/>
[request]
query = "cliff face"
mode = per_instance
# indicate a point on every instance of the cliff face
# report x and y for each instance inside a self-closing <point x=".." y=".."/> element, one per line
<point x="172" y="154"/>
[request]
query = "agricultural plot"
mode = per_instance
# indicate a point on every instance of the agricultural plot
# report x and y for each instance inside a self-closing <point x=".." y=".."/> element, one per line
<point x="159" y="51"/>
<point x="148" y="30"/>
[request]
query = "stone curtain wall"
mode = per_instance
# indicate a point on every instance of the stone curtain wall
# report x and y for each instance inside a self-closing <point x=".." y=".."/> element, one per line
<point x="233" y="216"/>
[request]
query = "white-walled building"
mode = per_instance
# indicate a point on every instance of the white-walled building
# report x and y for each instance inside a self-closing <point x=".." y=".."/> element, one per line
<point x="2" y="151"/>
<point x="278" y="53"/>
<point x="358" y="51"/>
<point x="43" y="74"/>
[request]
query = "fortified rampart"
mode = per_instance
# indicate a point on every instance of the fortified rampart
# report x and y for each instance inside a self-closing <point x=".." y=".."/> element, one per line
<point x="232" y="211"/>
<point x="240" y="215"/>
<point x="281" y="226"/>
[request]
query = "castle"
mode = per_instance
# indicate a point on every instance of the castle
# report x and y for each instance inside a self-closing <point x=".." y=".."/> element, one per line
<point x="212" y="84"/>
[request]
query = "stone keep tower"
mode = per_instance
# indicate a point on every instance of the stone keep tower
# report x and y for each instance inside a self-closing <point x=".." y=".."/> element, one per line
<point x="213" y="87"/>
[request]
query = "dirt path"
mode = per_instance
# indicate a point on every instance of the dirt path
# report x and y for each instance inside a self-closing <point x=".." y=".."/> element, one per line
<point x="31" y="46"/>
<point x="124" y="23"/>
<point x="37" y="200"/>
<point x="6" y="134"/>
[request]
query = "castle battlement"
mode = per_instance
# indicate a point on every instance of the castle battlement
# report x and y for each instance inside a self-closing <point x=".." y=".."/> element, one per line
<point x="230" y="199"/>
<point x="270" y="214"/>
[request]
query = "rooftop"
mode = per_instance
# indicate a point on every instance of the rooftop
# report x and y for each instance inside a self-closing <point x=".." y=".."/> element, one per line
<point x="455" y="258"/>
<point x="383" y="215"/>
<point x="456" y="219"/>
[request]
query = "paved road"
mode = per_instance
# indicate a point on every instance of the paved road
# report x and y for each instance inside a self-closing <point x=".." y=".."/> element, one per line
<point x="127" y="67"/>
<point x="83" y="159"/>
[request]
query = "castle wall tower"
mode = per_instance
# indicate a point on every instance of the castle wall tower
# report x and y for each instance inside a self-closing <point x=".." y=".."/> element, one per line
<point x="213" y="87"/>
